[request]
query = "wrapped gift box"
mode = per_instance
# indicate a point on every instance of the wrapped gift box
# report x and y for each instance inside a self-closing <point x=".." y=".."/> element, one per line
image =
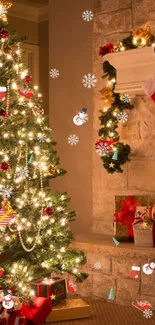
<point x="52" y="287"/>
<point x="144" y="227"/>
<point x="121" y="231"/>
<point x="37" y="314"/>
<point x="68" y="310"/>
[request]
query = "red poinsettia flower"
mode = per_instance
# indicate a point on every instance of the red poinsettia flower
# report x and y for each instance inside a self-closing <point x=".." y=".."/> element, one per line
<point x="103" y="50"/>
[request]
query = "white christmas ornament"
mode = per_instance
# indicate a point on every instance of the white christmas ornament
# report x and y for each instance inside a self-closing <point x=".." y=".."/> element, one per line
<point x="7" y="301"/>
<point x="81" y="117"/>
<point x="87" y="15"/>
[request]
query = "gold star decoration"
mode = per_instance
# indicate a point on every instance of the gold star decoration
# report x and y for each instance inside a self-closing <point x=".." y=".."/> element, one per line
<point x="9" y="281"/>
<point x="16" y="303"/>
<point x="111" y="165"/>
<point x="14" y="236"/>
<point x="53" y="297"/>
<point x="144" y="225"/>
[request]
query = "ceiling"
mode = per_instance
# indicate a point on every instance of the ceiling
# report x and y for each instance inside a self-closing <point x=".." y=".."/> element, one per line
<point x="33" y="3"/>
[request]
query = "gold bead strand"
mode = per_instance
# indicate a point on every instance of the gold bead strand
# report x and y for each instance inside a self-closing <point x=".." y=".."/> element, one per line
<point x="26" y="165"/>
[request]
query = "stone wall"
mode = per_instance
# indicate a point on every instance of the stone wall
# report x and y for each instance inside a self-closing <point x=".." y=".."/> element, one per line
<point x="116" y="263"/>
<point x="113" y="21"/>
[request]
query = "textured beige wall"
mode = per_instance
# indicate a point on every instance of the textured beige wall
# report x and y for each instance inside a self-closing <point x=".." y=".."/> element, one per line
<point x="70" y="41"/>
<point x="25" y="28"/>
<point x="114" y="20"/>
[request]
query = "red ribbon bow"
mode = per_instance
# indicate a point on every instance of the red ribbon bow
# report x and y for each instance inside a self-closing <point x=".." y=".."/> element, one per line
<point x="126" y="214"/>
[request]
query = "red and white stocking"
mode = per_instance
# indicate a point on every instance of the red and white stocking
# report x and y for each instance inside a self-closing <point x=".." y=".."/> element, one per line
<point x="135" y="272"/>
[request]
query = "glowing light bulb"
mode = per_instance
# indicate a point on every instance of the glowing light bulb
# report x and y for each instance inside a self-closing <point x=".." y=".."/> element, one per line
<point x="30" y="104"/>
<point x="39" y="95"/>
<point x="36" y="87"/>
<point x="62" y="249"/>
<point x="32" y="293"/>
<point x="77" y="260"/>
<point x="9" y="56"/>
<point x="14" y="85"/>
<point x="75" y="270"/>
<point x="1" y="64"/>
<point x="19" y="285"/>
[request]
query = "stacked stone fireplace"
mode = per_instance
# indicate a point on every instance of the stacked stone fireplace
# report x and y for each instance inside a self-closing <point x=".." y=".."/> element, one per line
<point x="114" y="20"/>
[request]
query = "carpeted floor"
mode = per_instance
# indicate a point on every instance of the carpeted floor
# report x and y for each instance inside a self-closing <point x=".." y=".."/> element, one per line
<point x="103" y="313"/>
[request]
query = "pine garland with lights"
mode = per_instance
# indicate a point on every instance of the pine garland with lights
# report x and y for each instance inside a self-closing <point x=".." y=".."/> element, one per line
<point x="35" y="241"/>
<point x="114" y="154"/>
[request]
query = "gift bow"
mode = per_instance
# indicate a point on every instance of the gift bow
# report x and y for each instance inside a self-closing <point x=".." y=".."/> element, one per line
<point x="126" y="214"/>
<point x="7" y="209"/>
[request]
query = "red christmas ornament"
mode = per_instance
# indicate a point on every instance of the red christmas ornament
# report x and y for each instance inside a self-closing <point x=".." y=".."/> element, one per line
<point x="28" y="80"/>
<point x="4" y="33"/>
<point x="48" y="211"/>
<point x="1" y="272"/>
<point x="3" y="113"/>
<point x="103" y="50"/>
<point x="4" y="166"/>
<point x="27" y="93"/>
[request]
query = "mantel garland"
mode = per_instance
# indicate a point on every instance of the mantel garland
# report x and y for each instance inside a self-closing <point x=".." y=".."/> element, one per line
<point x="114" y="153"/>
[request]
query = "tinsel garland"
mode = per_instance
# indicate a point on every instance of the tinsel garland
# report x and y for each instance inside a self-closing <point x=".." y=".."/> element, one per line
<point x="114" y="104"/>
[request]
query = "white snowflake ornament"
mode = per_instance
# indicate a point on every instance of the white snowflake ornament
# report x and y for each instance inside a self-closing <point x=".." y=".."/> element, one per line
<point x="54" y="73"/>
<point x="122" y="117"/>
<point x="89" y="81"/>
<point x="22" y="173"/>
<point x="6" y="191"/>
<point x="147" y="313"/>
<point x="125" y="98"/>
<point x="97" y="266"/>
<point x="41" y="137"/>
<point x="73" y="139"/>
<point x="87" y="15"/>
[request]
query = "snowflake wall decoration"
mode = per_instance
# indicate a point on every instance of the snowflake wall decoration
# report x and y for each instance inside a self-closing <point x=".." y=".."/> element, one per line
<point x="54" y="73"/>
<point x="87" y="15"/>
<point x="6" y="191"/>
<point x="122" y="117"/>
<point x="89" y="81"/>
<point x="147" y="313"/>
<point x="97" y="266"/>
<point x="73" y="139"/>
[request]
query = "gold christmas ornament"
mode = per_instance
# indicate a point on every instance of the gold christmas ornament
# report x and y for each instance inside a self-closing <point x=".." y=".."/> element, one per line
<point x="107" y="95"/>
<point x="143" y="33"/>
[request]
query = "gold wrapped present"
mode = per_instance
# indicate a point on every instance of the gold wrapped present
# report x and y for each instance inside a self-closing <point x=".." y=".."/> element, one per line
<point x="68" y="310"/>
<point x="121" y="230"/>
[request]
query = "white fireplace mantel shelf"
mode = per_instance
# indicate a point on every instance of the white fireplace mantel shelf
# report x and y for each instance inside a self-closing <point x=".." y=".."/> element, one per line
<point x="133" y="67"/>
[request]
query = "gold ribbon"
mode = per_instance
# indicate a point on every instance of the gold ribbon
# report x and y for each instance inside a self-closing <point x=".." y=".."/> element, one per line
<point x="6" y="204"/>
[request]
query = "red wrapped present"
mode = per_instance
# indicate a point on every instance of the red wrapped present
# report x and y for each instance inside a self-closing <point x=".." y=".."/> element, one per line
<point x="54" y="288"/>
<point x="37" y="314"/>
<point x="125" y="208"/>
<point x="13" y="317"/>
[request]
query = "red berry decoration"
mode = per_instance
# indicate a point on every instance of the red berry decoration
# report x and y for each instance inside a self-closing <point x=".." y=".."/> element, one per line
<point x="4" y="33"/>
<point x="28" y="80"/>
<point x="4" y="167"/>
<point x="1" y="272"/>
<point x="103" y="50"/>
<point x="48" y="211"/>
<point x="3" y="113"/>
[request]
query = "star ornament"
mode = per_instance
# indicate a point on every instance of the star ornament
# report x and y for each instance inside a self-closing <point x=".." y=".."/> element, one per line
<point x="53" y="297"/>
<point x="144" y="225"/>
<point x="111" y="165"/>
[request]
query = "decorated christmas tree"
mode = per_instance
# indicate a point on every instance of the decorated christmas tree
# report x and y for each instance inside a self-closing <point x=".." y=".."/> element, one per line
<point x="34" y="234"/>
